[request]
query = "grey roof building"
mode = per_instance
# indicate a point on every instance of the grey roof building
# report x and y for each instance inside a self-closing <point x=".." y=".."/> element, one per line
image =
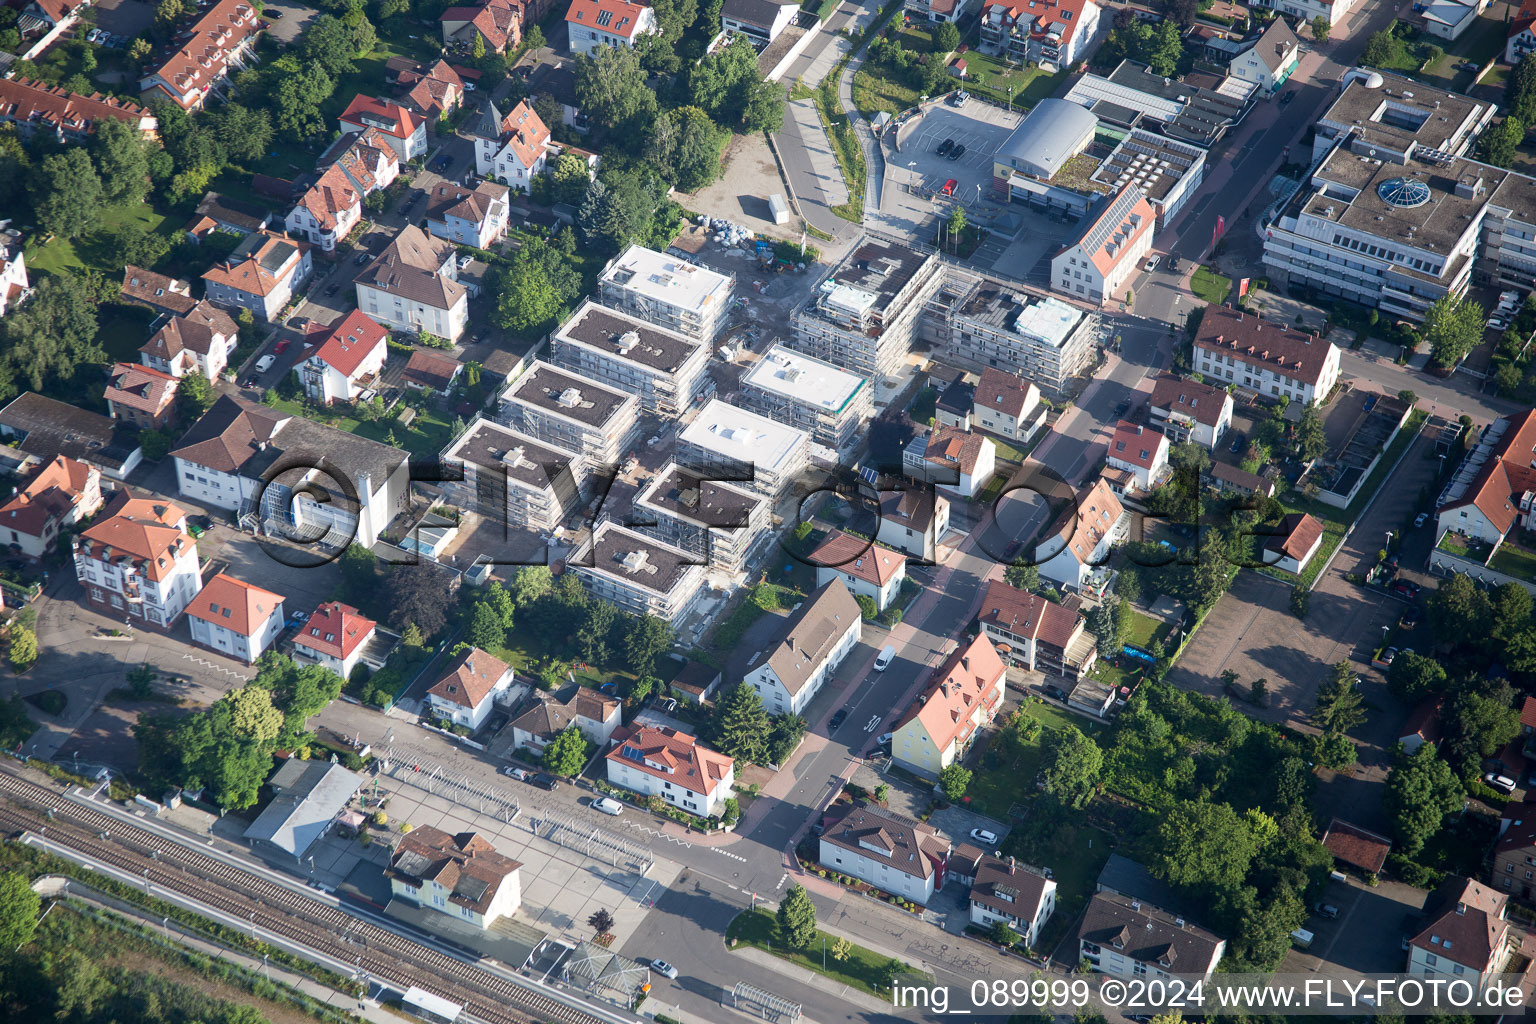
<point x="664" y="368"/>
<point x="309" y="800"/>
<point x="46" y="428"/>
<point x="1053" y="133"/>
<point x="1133" y="938"/>
<point x="571" y="411"/>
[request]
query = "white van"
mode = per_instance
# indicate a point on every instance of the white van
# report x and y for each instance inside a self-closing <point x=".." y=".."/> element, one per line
<point x="265" y="363"/>
<point x="1301" y="938"/>
<point x="883" y="659"/>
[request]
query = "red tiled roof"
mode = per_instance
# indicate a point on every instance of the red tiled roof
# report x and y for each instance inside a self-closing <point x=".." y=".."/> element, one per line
<point x="1111" y="237"/>
<point x="1064" y="15"/>
<point x="1082" y="526"/>
<point x="1528" y="713"/>
<point x="910" y="846"/>
<point x="387" y="116"/>
<point x="693" y="766"/>
<point x="470" y="679"/>
<point x="525" y="132"/>
<point x="204" y="58"/>
<point x="1524" y="19"/>
<point x="193" y="330"/>
<point x="1136" y="444"/>
<point x="1508" y="473"/>
<point x="351" y="342"/>
<point x="1424" y="722"/>
<point x="859" y="558"/>
<point x="234" y="604"/>
<point x="951" y="446"/>
<point x="150" y="532"/>
<point x="970" y="677"/>
<point x="330" y="197"/>
<point x="1355" y="846"/>
<point x="1300" y="535"/>
<point x="616" y="17"/>
<point x="431" y="369"/>
<point x="141" y="387"/>
<point x="51" y="494"/>
<point x="58" y="10"/>
<point x="1253" y="340"/>
<point x="1464" y="922"/>
<point x="336" y="629"/>
<point x="1200" y="401"/>
<point x="251" y="275"/>
<point x="37" y="103"/>
<point x="1024" y="614"/>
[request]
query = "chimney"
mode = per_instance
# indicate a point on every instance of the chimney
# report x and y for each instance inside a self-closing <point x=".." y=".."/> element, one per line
<point x="965" y="661"/>
<point x="1010" y="865"/>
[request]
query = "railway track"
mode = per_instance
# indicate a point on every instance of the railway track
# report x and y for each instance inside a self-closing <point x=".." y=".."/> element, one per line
<point x="274" y="908"/>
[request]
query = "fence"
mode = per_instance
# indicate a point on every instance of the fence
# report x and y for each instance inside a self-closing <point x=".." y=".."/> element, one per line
<point x="589" y="840"/>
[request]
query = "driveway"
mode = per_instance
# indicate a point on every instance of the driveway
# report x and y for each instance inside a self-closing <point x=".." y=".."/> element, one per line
<point x="287" y="19"/>
<point x="1366" y="937"/>
<point x="811" y="166"/>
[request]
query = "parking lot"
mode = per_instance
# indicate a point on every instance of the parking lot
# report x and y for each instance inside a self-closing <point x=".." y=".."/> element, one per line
<point x="916" y="167"/>
<point x="1366" y="937"/>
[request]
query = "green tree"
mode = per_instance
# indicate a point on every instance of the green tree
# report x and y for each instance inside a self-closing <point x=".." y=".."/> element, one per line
<point x="21" y="647"/>
<point x="244" y="132"/>
<point x="1203" y="846"/>
<point x="1458" y="611"/>
<point x="1520" y="90"/>
<point x="867" y="606"/>
<point x="1321" y="28"/>
<point x="333" y="43"/>
<point x="527" y="303"/>
<point x="612" y="90"/>
<point x="121" y="155"/>
<point x="1339" y="704"/>
<point x="19" y="907"/>
<point x="477" y="50"/>
<point x="1334" y="750"/>
<point x="1453" y="326"/>
<point x="784" y="736"/>
<point x="195" y="396"/>
<point x="1258" y="693"/>
<point x="841" y="949"/>
<point x="417" y="594"/>
<point x="253" y="716"/>
<point x="567" y="752"/>
<point x="485" y="629"/>
<point x="741" y="725"/>
<point x="1480" y="718"/>
<point x="593" y="634"/>
<point x="1002" y="933"/>
<point x="954" y="779"/>
<point x="141" y="681"/>
<point x="139" y="51"/>
<point x="359" y="575"/>
<point x="601" y="921"/>
<point x="797" y="918"/>
<point x="1024" y="576"/>
<point x="530" y="584"/>
<point x="569" y="178"/>
<point x="1107" y="626"/>
<point x="1413" y="678"/>
<point x="1311" y="438"/>
<point x="946" y="38"/>
<point x="1381" y="49"/>
<point x="1071" y="767"/>
<point x="1421" y="791"/>
<point x="67" y="193"/>
<point x="694" y="160"/>
<point x="134" y="244"/>
<point x="645" y="641"/>
<point x="1501" y="143"/>
<point x="301" y="87"/>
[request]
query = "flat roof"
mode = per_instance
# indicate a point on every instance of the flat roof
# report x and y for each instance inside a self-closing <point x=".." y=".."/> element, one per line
<point x="1402" y="112"/>
<point x="1042" y="318"/>
<point x="637" y="560"/>
<point x="786" y="372"/>
<point x="667" y="278"/>
<point x="566" y="394"/>
<point x="706" y="502"/>
<point x="623" y="337"/>
<point x="1150" y="162"/>
<point x="490" y="445"/>
<point x="876" y="272"/>
<point x="742" y="436"/>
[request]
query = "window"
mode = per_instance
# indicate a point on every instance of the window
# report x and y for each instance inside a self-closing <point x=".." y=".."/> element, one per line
<point x="1430" y="959"/>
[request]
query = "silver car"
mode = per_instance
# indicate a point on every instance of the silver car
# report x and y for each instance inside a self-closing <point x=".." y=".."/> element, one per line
<point x="664" y="969"/>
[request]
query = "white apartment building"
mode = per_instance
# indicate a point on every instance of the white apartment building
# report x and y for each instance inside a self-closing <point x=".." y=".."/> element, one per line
<point x="997" y="326"/>
<point x="813" y="642"/>
<point x="347" y="361"/>
<point x="1271" y="60"/>
<point x="913" y="519"/>
<point x="865" y="568"/>
<point x="1305" y="10"/>
<point x="138" y="562"/>
<point x="413" y="285"/>
<point x="401" y="130"/>
<point x="1052" y="33"/>
<point x="1099" y="265"/>
<point x="1035" y="633"/>
<point x="201" y="339"/>
<point x="716" y="522"/>
<point x="672" y="765"/>
<point x="595" y="715"/>
<point x="513" y="479"/>
<point x="1141" y="452"/>
<point x="1078" y="542"/>
<point x="638" y="574"/>
<point x="328" y="211"/>
<point x="890" y="851"/>
<point x="62" y="493"/>
<point x="1131" y="938"/>
<point x="335" y="636"/>
<point x="1240" y="348"/>
<point x="475" y="216"/>
<point x="1007" y="406"/>
<point x="462" y="876"/>
<point x="1466" y="934"/>
<point x="514" y="149"/>
<point x="467" y="691"/>
<point x="571" y="412"/>
<point x="829" y="403"/>
<point x="261" y="275"/>
<point x="668" y="292"/>
<point x="13" y="272"/>
<point x="595" y="24"/>
<point x="221" y="41"/>
<point x="664" y="368"/>
<point x="235" y="618"/>
<point x="1190" y="410"/>
<point x="961" y="697"/>
<point x="744" y="448"/>
<point x="864" y="314"/>
<point x="1522" y="33"/>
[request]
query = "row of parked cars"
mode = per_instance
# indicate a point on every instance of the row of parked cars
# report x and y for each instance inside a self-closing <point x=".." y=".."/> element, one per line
<point x="101" y="37"/>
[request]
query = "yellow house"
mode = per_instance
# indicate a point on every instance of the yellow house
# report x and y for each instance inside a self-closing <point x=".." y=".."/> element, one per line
<point x="964" y="695"/>
<point x="459" y="875"/>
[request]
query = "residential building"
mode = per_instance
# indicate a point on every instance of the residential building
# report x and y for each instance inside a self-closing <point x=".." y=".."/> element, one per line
<point x="365" y="158"/>
<point x="138" y="561"/>
<point x="1078" y="542"/>
<point x="515" y="148"/>
<point x="955" y="461"/>
<point x="1423" y="725"/>
<point x="513" y="479"/>
<point x="413" y="285"/>
<point x="1190" y="411"/>
<point x="864" y="314"/>
<point x="201" y="340"/>
<point x="1007" y="406"/>
<point x="638" y="574"/>
<point x="1270" y="358"/>
<point x="61" y="494"/>
<point x="220" y="213"/>
<point x="1449" y="19"/>
<point x="1306" y="10"/>
<point x="812" y="642"/>
<point x="347" y="361"/>
<point x="1141" y="452"/>
<point x="594" y="24"/>
<point x="310" y="797"/>
<point x="141" y="396"/>
<point x="466" y="692"/>
<point x="1019" y="897"/>
<point x="334" y="637"/>
<point x="1271" y="60"/>
<point x="900" y="855"/>
<point x="964" y="694"/>
<point x="1297" y="539"/>
<point x="403" y="131"/>
<point x="50" y="13"/>
<point x="1098" y="267"/>
<point x="328" y="211"/>
<point x="1036" y="633"/>
<point x="1356" y="847"/>
<point x="1054" y="35"/>
<point x="1465" y="933"/>
<point x="1131" y="938"/>
<point x="1514" y="852"/>
<point x="993" y="325"/>
<point x="435" y="91"/>
<point x="829" y="403"/>
<point x="221" y="41"/>
<point x="1225" y="478"/>
<point x="44" y="428"/>
<point x="742" y="447"/>
<point x="555" y="78"/>
<point x="759" y="20"/>
<point x="14" y="287"/>
<point x="157" y="291"/>
<point x="262" y="274"/>
<point x="866" y="568"/>
<point x="1521" y="38"/>
<point x="936" y="11"/>
<point x="427" y="370"/>
<point x="468" y="216"/>
<point x="266" y="466"/>
<point x="723" y="525"/>
<point x="1489" y="497"/>
<point x="595" y="715"/>
<point x="956" y="399"/>
<point x="571" y="412"/>
<point x="663" y="290"/>
<point x="499" y="23"/>
<point x="34" y="106"/>
<point x="235" y="618"/>
<point x="672" y="765"/>
<point x="459" y="875"/>
<point x="913" y="519"/>
<point x="666" y="369"/>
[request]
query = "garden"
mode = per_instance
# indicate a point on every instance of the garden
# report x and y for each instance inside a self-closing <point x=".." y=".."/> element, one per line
<point x="829" y="955"/>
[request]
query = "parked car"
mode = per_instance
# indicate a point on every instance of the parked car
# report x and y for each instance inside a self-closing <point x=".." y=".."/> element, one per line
<point x="265" y="363"/>
<point x="1052" y="690"/>
<point x="363" y="257"/>
<point x="1502" y="783"/>
<point x="984" y="837"/>
<point x="1468" y="65"/>
<point x="516" y="773"/>
<point x="544" y="781"/>
<point x="1152" y="262"/>
<point x="1410" y="617"/>
<point x="957" y="99"/>
<point x="1286" y="99"/>
<point x="271" y="12"/>
<point x="1388" y="656"/>
<point x="1407" y="588"/>
<point x="885" y="738"/>
<point x="957" y="152"/>
<point x="945" y="146"/>
<point x="838" y="718"/>
<point x="949" y="187"/>
<point x="248" y="383"/>
<point x="1238" y="441"/>
<point x="608" y="805"/>
<point x="1420" y="519"/>
<point x="281" y="346"/>
<point x="664" y="969"/>
<point x="1328" y="910"/>
<point x="883" y="659"/>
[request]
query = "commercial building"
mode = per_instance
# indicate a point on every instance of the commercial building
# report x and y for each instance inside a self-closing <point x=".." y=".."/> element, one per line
<point x="401" y="130"/>
<point x="723" y="525"/>
<point x="1168" y="172"/>
<point x="912" y="520"/>
<point x="1077" y="545"/>
<point x="663" y="290"/>
<point x="1271" y="60"/>
<point x="1036" y="633"/>
<point x="639" y="575"/>
<point x="261" y="274"/>
<point x="992" y="324"/>
<point x="830" y="404"/>
<point x="964" y="694"/>
<point x="34" y="106"/>
<point x="812" y="643"/>
<point x="221" y="41"/>
<point x="1042" y="163"/>
<point x="864" y="314"/>
<point x="235" y="618"/>
<point x="571" y="412"/>
<point x="742" y="447"/>
<point x="60" y="494"/>
<point x="672" y="765"/>
<point x="1098" y="267"/>
<point x="867" y="569"/>
<point x="1270" y="358"/>
<point x="466" y="692"/>
<point x="413" y="285"/>
<point x="138" y="562"/>
<point x="459" y="875"/>
<point x="1190" y="411"/>
<point x="1306" y="10"/>
<point x="595" y="24"/>
<point x="1052" y="33"/>
<point x="1197" y="110"/>
<point x="1131" y="938"/>
<point x="1017" y="896"/>
<point x="1449" y="19"/>
<point x="514" y="479"/>
<point x="664" y="368"/>
<point x="890" y="851"/>
<point x="310" y="796"/>
<point x="347" y="361"/>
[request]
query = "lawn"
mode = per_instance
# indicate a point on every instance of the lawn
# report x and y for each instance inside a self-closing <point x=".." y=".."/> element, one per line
<point x="1075" y="853"/>
<point x="1006" y="83"/>
<point x="1514" y="561"/>
<point x="93" y="251"/>
<point x="1210" y="286"/>
<point x="864" y="969"/>
<point x="1012" y="760"/>
<point x="527" y="651"/>
<point x="426" y="437"/>
<point x="1145" y="629"/>
<point x="122" y="329"/>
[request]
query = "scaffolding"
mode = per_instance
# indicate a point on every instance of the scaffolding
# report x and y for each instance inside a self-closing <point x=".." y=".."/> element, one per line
<point x="589" y="840"/>
<point x="764" y="1003"/>
<point x="418" y="770"/>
